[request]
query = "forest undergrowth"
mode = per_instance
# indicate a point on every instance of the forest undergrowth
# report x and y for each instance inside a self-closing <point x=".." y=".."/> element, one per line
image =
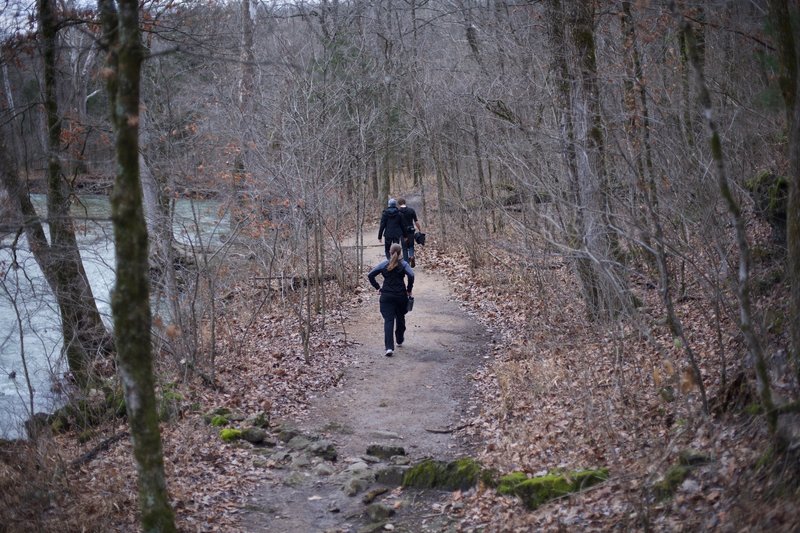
<point x="85" y="480"/>
<point x="558" y="392"/>
<point x="563" y="393"/>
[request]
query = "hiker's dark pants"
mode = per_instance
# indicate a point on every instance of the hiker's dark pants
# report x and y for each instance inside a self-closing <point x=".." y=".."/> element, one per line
<point x="387" y="243"/>
<point x="408" y="248"/>
<point x="393" y="310"/>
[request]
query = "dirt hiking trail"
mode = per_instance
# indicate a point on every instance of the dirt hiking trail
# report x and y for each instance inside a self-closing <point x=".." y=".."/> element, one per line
<point x="389" y="401"/>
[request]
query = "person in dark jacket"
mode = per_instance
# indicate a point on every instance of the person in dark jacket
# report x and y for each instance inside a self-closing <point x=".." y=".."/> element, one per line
<point x="411" y="225"/>
<point x="394" y="295"/>
<point x="391" y="226"/>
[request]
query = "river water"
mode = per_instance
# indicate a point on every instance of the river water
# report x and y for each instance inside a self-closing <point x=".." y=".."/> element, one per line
<point x="30" y="331"/>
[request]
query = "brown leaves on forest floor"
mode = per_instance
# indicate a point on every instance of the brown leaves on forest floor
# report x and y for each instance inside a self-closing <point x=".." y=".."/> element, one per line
<point x="264" y="370"/>
<point x="563" y="393"/>
<point x="558" y="392"/>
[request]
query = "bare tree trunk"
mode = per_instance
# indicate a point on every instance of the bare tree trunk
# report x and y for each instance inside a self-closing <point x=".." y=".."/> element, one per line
<point x="576" y="229"/>
<point x="130" y="302"/>
<point x="602" y="244"/>
<point x="743" y="290"/>
<point x="84" y="333"/>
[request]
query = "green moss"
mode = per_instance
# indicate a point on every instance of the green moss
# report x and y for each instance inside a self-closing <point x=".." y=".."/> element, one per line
<point x="172" y="396"/>
<point x="230" y="435"/>
<point x="535" y="491"/>
<point x="222" y="411"/>
<point x="169" y="405"/>
<point x="671" y="481"/>
<point x="462" y="474"/>
<point x="429" y="474"/>
<point x="422" y="475"/>
<point x="219" y="421"/>
<point x="509" y="482"/>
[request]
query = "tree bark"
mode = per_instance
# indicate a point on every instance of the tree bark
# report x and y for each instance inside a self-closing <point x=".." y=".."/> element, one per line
<point x="576" y="228"/>
<point x="85" y="335"/>
<point x="130" y="301"/>
<point x="603" y="244"/>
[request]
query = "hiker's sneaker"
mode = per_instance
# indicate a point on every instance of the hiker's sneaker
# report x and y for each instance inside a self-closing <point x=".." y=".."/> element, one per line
<point x="389" y="353"/>
<point x="412" y="263"/>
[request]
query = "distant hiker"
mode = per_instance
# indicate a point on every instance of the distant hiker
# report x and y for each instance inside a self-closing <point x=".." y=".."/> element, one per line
<point x="411" y="226"/>
<point x="394" y="295"/>
<point x="391" y="226"/>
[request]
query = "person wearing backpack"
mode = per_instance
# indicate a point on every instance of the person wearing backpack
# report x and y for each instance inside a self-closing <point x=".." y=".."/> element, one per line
<point x="395" y="294"/>
<point x="411" y="226"/>
<point x="391" y="226"/>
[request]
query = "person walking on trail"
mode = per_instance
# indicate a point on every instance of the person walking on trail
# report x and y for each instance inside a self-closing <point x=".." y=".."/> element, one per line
<point x="411" y="226"/>
<point x="395" y="293"/>
<point x="391" y="226"/>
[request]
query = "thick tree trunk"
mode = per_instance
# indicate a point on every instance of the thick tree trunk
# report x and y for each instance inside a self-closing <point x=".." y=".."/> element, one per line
<point x="576" y="228"/>
<point x="130" y="302"/>
<point x="602" y="243"/>
<point x="84" y="333"/>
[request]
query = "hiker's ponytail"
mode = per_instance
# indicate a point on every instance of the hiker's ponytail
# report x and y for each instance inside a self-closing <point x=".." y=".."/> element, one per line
<point x="395" y="251"/>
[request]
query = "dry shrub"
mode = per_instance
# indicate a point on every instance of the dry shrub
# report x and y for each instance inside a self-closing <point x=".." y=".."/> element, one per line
<point x="36" y="493"/>
<point x="523" y="379"/>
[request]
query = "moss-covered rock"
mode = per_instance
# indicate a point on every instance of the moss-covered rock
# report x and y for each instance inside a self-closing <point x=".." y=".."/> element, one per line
<point x="254" y="435"/>
<point x="230" y="434"/>
<point x="219" y="421"/>
<point x="672" y="479"/>
<point x="260" y="420"/>
<point x="535" y="491"/>
<point x="219" y="411"/>
<point x="169" y="404"/>
<point x="429" y="474"/>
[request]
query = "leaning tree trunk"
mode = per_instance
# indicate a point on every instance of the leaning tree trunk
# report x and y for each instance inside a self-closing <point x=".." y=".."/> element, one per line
<point x="130" y="302"/>
<point x="746" y="322"/>
<point x="85" y="335"/>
